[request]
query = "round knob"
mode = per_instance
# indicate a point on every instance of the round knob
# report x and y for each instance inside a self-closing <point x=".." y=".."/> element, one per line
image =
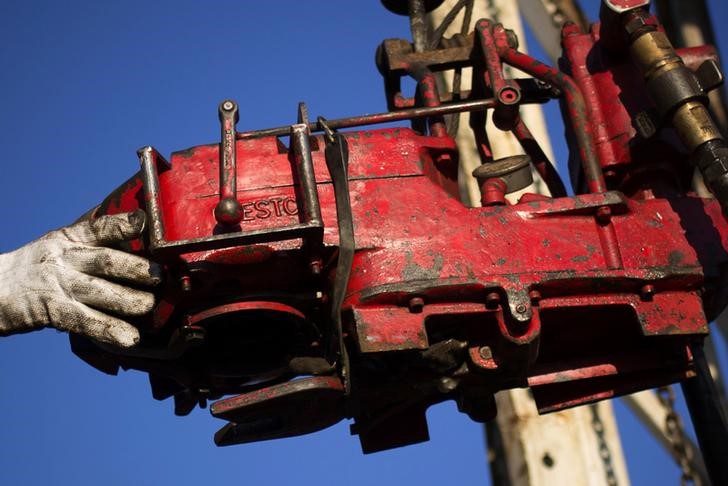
<point x="228" y="212"/>
<point x="515" y="171"/>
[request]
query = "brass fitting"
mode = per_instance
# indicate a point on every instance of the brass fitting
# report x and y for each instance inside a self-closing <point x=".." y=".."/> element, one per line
<point x="680" y="98"/>
<point x="653" y="54"/>
<point x="694" y="125"/>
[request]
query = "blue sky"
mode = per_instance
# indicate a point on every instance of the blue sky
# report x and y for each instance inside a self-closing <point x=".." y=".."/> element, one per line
<point x="84" y="84"/>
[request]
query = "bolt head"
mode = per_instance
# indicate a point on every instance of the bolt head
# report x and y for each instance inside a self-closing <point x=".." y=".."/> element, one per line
<point x="316" y="267"/>
<point x="485" y="352"/>
<point x="647" y="292"/>
<point x="416" y="304"/>
<point x="604" y="214"/>
<point x="535" y="296"/>
<point x="228" y="105"/>
<point x="492" y="300"/>
<point x="509" y="95"/>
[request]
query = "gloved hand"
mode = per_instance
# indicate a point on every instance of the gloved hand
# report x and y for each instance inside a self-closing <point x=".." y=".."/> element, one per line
<point x="66" y="278"/>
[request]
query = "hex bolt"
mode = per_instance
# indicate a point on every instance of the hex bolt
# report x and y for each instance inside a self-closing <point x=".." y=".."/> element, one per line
<point x="492" y="300"/>
<point x="521" y="308"/>
<point x="535" y="296"/>
<point x="485" y="352"/>
<point x="416" y="304"/>
<point x="633" y="22"/>
<point x="604" y="214"/>
<point x="316" y="266"/>
<point x="647" y="292"/>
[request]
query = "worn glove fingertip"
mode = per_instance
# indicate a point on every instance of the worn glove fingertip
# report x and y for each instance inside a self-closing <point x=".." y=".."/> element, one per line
<point x="126" y="338"/>
<point x="118" y="227"/>
<point x="137" y="220"/>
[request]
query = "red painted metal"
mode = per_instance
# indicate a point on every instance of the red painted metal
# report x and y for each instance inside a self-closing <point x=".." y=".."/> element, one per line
<point x="617" y="103"/>
<point x="580" y="298"/>
<point x="621" y="6"/>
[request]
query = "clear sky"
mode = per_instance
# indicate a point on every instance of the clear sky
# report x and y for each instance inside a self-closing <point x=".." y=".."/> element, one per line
<point x="86" y="83"/>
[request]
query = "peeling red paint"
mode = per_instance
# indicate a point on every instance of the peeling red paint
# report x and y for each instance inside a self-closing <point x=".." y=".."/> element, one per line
<point x="580" y="298"/>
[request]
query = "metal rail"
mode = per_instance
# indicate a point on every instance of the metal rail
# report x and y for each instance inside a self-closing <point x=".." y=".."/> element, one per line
<point x="378" y="118"/>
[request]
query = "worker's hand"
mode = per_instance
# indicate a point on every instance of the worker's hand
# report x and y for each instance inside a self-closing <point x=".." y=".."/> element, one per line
<point x="68" y="279"/>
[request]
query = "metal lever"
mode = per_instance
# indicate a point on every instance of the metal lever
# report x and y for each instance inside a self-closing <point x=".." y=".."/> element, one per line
<point x="337" y="161"/>
<point x="228" y="211"/>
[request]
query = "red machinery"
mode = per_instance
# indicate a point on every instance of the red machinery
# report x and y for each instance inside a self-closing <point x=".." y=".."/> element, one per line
<point x="317" y="275"/>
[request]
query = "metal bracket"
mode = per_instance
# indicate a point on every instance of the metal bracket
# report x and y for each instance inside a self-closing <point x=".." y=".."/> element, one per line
<point x="310" y="229"/>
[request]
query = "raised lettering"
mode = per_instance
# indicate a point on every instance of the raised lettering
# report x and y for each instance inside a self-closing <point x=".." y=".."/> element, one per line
<point x="265" y="208"/>
<point x="262" y="208"/>
<point x="248" y="212"/>
<point x="277" y="206"/>
<point x="290" y="207"/>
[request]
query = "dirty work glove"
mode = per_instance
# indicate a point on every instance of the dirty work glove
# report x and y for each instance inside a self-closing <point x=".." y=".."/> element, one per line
<point x="67" y="279"/>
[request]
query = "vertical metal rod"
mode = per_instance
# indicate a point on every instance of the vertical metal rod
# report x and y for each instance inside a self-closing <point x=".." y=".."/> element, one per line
<point x="149" y="159"/>
<point x="428" y="91"/>
<point x="228" y="112"/>
<point x="610" y="242"/>
<point x="711" y="426"/>
<point x="304" y="169"/>
<point x="417" y="24"/>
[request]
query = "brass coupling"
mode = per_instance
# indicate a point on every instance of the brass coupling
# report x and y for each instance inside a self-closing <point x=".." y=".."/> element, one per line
<point x="675" y="90"/>
<point x="680" y="97"/>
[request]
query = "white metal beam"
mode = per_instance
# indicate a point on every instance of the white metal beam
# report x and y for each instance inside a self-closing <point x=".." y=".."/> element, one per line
<point x="648" y="409"/>
<point x="561" y="447"/>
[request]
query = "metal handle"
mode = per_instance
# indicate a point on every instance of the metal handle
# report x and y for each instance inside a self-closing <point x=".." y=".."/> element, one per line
<point x="303" y="163"/>
<point x="153" y="163"/>
<point x="310" y="228"/>
<point x="228" y="211"/>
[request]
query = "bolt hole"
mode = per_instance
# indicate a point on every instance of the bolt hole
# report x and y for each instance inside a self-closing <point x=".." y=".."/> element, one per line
<point x="547" y="460"/>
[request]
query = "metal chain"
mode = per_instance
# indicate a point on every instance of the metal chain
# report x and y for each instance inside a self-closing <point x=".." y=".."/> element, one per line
<point x="604" y="452"/>
<point x="676" y="433"/>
